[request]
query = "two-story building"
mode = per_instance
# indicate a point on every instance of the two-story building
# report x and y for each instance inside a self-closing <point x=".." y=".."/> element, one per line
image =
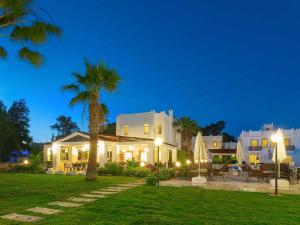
<point x="258" y="147"/>
<point x="134" y="140"/>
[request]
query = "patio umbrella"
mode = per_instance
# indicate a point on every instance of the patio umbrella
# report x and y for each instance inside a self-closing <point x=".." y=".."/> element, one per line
<point x="239" y="153"/>
<point x="200" y="152"/>
<point x="281" y="151"/>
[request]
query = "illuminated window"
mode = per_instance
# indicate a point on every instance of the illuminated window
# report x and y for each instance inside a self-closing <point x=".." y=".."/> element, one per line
<point x="128" y="156"/>
<point x="215" y="144"/>
<point x="64" y="153"/>
<point x="264" y="143"/>
<point x="109" y="156"/>
<point x="170" y="156"/>
<point x="83" y="155"/>
<point x="155" y="155"/>
<point x="253" y="159"/>
<point x="287" y="142"/>
<point x="159" y="129"/>
<point x="143" y="156"/>
<point x="146" y="128"/>
<point x="126" y="130"/>
<point x="288" y="159"/>
<point x="254" y="143"/>
<point x="220" y="145"/>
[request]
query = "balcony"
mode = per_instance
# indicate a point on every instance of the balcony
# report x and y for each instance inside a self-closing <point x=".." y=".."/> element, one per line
<point x="255" y="149"/>
<point x="290" y="148"/>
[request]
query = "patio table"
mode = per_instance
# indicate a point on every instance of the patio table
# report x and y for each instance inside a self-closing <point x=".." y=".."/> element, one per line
<point x="268" y="174"/>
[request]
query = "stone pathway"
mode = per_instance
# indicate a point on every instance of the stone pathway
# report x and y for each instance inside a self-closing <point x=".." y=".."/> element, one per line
<point x="71" y="202"/>
<point x="21" y="217"/>
<point x="45" y="211"/>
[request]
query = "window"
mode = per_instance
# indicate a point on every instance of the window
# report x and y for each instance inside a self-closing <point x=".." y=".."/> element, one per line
<point x="83" y="155"/>
<point x="254" y="143"/>
<point x="64" y="153"/>
<point x="126" y="130"/>
<point x="253" y="159"/>
<point x="109" y="156"/>
<point x="264" y="143"/>
<point x="170" y="156"/>
<point x="146" y="128"/>
<point x="49" y="154"/>
<point x="215" y="144"/>
<point x="159" y="129"/>
<point x="220" y="145"/>
<point x="128" y="156"/>
<point x="287" y="142"/>
<point x="143" y="156"/>
<point x="273" y="144"/>
<point x="288" y="159"/>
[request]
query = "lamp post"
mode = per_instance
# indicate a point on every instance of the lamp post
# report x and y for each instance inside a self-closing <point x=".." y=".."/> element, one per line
<point x="158" y="142"/>
<point x="276" y="138"/>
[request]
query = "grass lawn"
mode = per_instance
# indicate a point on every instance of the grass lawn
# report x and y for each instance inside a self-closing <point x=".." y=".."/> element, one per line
<point x="145" y="204"/>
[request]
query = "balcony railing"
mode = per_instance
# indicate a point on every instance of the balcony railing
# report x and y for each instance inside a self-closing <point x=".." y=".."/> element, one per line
<point x="258" y="148"/>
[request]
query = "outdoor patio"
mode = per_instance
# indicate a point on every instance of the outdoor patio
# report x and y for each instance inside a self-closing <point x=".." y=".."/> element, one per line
<point x="234" y="183"/>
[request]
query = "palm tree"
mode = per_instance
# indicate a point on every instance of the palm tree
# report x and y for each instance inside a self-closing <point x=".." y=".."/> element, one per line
<point x="187" y="128"/>
<point x="21" y="22"/>
<point x="88" y="88"/>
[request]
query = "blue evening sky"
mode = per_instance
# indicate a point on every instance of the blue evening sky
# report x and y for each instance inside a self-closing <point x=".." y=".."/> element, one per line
<point x="233" y="60"/>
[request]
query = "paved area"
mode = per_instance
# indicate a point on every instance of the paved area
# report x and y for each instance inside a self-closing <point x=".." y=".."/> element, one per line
<point x="234" y="183"/>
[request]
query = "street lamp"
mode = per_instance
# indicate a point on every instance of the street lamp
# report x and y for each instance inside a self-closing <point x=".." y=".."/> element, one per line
<point x="276" y="138"/>
<point x="158" y="142"/>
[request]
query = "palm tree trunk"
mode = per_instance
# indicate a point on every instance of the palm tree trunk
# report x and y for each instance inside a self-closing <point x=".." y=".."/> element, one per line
<point x="94" y="121"/>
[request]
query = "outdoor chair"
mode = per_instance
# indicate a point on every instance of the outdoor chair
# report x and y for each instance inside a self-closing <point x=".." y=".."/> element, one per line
<point x="254" y="173"/>
<point x="68" y="166"/>
<point x="285" y="172"/>
<point x="220" y="171"/>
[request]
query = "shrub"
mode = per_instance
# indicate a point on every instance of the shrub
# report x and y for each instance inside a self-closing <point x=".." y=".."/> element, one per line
<point x="136" y="171"/>
<point x="151" y="180"/>
<point x="111" y="169"/>
<point x="183" y="171"/>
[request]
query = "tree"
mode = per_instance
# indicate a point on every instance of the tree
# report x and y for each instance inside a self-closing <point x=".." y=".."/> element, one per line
<point x="18" y="115"/>
<point x="21" y="22"/>
<point x="110" y="129"/>
<point x="214" y="128"/>
<point x="88" y="89"/>
<point x="64" y="126"/>
<point x="228" y="137"/>
<point x="187" y="128"/>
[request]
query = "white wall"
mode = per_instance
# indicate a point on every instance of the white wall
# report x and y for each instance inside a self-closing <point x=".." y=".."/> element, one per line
<point x="136" y="121"/>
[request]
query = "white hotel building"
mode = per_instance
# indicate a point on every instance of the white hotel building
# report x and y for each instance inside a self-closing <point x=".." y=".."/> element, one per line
<point x="258" y="147"/>
<point x="134" y="140"/>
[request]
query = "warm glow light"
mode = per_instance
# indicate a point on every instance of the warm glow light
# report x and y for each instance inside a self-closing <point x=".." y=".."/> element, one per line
<point x="277" y="137"/>
<point x="25" y="161"/>
<point x="75" y="151"/>
<point x="86" y="147"/>
<point x="158" y="142"/>
<point x="142" y="164"/>
<point x="188" y="162"/>
<point x="177" y="164"/>
<point x="146" y="149"/>
<point x="196" y="161"/>
<point x="130" y="147"/>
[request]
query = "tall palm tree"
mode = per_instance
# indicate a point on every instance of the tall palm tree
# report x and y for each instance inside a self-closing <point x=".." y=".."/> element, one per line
<point x="88" y="89"/>
<point x="21" y="22"/>
<point x="187" y="128"/>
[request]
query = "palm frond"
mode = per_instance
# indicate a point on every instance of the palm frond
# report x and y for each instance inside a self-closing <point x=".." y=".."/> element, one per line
<point x="3" y="53"/>
<point x="104" y="109"/>
<point x="70" y="87"/>
<point x="36" y="33"/>
<point x="111" y="80"/>
<point x="35" y="58"/>
<point x="81" y="97"/>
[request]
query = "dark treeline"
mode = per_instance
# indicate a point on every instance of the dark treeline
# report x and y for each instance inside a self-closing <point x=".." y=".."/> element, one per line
<point x="14" y="128"/>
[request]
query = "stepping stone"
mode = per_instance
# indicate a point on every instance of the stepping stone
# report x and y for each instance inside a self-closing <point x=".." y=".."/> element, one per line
<point x="103" y="192"/>
<point x="46" y="211"/>
<point x="65" y="204"/>
<point x="21" y="217"/>
<point x="111" y="190"/>
<point x="118" y="188"/>
<point x="77" y="199"/>
<point x="127" y="185"/>
<point x="92" y="196"/>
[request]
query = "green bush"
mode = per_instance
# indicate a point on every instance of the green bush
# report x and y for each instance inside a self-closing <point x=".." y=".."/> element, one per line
<point x="151" y="180"/>
<point x="183" y="171"/>
<point x="35" y="165"/>
<point x="111" y="169"/>
<point x="136" y="171"/>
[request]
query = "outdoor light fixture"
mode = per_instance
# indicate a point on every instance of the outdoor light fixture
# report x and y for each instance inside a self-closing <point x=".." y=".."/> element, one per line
<point x="142" y="164"/>
<point x="177" y="164"/>
<point x="196" y="161"/>
<point x="188" y="162"/>
<point x="130" y="147"/>
<point x="158" y="142"/>
<point x="25" y="161"/>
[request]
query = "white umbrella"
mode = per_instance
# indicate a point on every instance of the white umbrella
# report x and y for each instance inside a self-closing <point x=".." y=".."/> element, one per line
<point x="200" y="152"/>
<point x="239" y="153"/>
<point x="281" y="151"/>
